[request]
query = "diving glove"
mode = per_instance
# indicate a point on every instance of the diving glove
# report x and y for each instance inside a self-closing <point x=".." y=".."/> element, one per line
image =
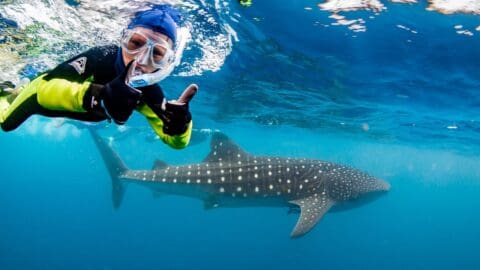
<point x="115" y="100"/>
<point x="175" y="114"/>
<point x="175" y="117"/>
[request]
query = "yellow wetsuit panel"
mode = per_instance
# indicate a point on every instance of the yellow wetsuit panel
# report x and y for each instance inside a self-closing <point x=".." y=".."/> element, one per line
<point x="55" y="94"/>
<point x="62" y="95"/>
<point x="176" y="141"/>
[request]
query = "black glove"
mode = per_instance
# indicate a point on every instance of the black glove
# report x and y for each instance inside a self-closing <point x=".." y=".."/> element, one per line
<point x="175" y="117"/>
<point x="118" y="98"/>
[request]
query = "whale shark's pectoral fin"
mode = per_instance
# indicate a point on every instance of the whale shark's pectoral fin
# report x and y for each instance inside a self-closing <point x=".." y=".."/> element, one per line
<point x="157" y="194"/>
<point x="312" y="210"/>
<point x="210" y="203"/>
<point x="293" y="210"/>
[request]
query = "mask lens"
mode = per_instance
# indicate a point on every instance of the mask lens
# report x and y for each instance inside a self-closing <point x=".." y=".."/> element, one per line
<point x="135" y="42"/>
<point x="158" y="53"/>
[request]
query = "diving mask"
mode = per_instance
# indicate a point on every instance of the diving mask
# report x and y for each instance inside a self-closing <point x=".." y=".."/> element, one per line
<point x="157" y="54"/>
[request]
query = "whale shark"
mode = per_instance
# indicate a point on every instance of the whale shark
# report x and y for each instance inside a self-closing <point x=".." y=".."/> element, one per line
<point x="232" y="177"/>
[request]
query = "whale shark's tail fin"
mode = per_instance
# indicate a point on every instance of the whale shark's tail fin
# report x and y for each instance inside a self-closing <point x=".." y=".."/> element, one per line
<point x="115" y="167"/>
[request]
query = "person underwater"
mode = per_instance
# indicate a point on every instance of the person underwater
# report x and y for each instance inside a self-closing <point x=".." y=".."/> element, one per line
<point x="110" y="82"/>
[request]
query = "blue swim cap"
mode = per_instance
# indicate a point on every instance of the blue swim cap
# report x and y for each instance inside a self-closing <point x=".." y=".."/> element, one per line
<point x="160" y="18"/>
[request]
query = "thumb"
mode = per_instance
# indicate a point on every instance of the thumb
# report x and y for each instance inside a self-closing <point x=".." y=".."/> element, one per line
<point x="188" y="93"/>
<point x="126" y="70"/>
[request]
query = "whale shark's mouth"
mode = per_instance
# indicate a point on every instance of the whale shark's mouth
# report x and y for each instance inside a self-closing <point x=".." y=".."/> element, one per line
<point x="384" y="185"/>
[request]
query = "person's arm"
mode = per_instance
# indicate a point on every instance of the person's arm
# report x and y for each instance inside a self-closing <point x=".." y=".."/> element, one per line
<point x="61" y="94"/>
<point x="114" y="100"/>
<point x="171" y="120"/>
<point x="178" y="141"/>
<point x="63" y="88"/>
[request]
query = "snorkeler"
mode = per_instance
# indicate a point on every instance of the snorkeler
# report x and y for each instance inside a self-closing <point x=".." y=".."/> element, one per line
<point x="109" y="82"/>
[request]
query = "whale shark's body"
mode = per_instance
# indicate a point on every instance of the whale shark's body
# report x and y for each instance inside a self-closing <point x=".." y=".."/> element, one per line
<point x="231" y="177"/>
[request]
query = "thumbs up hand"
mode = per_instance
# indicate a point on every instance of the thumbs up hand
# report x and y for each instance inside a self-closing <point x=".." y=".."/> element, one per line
<point x="175" y="113"/>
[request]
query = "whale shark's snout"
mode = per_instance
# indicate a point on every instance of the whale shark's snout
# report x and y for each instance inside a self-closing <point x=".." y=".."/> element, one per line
<point x="378" y="186"/>
<point x="384" y="185"/>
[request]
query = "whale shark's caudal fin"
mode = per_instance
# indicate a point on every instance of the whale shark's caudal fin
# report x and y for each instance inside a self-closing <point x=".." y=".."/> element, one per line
<point x="115" y="167"/>
<point x="312" y="210"/>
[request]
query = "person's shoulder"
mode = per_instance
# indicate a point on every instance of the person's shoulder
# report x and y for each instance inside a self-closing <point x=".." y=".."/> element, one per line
<point x="97" y="61"/>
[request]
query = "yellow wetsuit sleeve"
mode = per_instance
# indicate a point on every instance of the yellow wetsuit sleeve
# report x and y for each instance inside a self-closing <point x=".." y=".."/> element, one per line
<point x="61" y="94"/>
<point x="175" y="141"/>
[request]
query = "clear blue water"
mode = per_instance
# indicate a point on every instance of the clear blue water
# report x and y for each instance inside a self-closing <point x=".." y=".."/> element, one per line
<point x="404" y="111"/>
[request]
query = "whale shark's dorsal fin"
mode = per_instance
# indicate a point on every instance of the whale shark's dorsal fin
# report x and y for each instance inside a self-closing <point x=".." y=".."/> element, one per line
<point x="312" y="210"/>
<point x="224" y="149"/>
<point x="159" y="165"/>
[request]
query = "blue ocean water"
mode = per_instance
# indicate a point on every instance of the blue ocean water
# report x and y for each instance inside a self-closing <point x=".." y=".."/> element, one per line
<point x="398" y="101"/>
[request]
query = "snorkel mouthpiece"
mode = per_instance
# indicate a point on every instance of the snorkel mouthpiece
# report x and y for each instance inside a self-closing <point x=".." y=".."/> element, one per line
<point x="137" y="79"/>
<point x="137" y="83"/>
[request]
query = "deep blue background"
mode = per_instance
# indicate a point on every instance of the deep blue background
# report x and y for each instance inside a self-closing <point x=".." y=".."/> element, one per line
<point x="290" y="88"/>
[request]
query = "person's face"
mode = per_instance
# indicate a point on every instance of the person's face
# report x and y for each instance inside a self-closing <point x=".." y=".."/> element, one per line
<point x="146" y="54"/>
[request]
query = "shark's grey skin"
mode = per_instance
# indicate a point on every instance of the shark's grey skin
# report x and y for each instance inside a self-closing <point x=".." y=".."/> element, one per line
<point x="231" y="177"/>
